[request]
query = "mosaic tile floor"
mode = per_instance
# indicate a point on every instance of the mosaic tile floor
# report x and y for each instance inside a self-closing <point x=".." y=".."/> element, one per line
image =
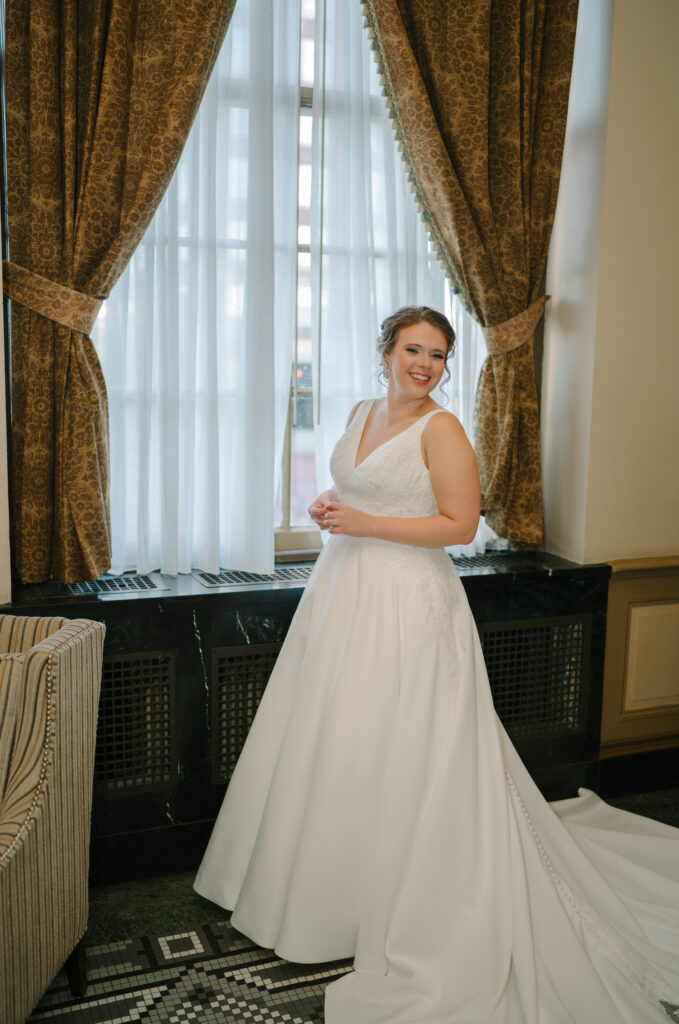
<point x="180" y="971"/>
<point x="208" y="974"/>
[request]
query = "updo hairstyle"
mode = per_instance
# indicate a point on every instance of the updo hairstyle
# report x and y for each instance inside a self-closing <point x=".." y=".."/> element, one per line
<point x="408" y="316"/>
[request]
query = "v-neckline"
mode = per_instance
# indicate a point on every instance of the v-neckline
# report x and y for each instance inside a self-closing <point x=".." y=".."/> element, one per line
<point x="389" y="439"/>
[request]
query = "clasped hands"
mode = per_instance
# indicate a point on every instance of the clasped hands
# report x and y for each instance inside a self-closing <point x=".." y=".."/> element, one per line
<point x="337" y="518"/>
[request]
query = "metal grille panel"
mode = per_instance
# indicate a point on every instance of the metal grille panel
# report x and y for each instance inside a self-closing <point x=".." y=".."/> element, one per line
<point x="493" y="560"/>
<point x="136" y="737"/>
<point x="239" y="678"/>
<point x="131" y="583"/>
<point x="233" y="577"/>
<point x="538" y="673"/>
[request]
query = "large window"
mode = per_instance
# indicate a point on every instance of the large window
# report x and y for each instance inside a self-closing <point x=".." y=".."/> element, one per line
<point x="243" y="330"/>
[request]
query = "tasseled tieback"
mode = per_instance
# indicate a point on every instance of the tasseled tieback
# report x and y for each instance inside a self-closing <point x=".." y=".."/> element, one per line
<point x="55" y="301"/>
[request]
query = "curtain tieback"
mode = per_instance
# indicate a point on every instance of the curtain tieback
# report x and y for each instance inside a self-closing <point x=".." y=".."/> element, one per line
<point x="55" y="301"/>
<point x="511" y="334"/>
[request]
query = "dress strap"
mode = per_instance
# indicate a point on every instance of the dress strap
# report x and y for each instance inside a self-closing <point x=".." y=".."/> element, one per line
<point x="362" y="413"/>
<point x="423" y="420"/>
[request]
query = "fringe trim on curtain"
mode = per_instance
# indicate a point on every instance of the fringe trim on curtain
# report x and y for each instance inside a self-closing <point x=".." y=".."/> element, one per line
<point x="371" y="25"/>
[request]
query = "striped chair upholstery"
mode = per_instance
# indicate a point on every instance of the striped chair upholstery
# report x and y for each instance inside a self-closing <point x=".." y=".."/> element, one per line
<point x="50" y="675"/>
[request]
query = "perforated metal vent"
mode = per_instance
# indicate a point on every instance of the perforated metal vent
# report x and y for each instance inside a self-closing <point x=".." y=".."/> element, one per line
<point x="538" y="673"/>
<point x="128" y="584"/>
<point x="233" y="577"/>
<point x="493" y="560"/>
<point x="239" y="678"/>
<point x="136" y="739"/>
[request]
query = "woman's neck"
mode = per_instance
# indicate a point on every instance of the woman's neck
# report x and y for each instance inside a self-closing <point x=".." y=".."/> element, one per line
<point x="397" y="409"/>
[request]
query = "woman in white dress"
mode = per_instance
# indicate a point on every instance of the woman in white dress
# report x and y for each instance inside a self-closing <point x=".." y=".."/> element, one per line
<point x="379" y="810"/>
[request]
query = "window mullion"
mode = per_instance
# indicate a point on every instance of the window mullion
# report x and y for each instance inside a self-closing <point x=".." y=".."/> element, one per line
<point x="286" y="469"/>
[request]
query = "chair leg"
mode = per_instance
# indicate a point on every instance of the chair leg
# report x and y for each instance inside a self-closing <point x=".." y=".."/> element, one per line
<point x="76" y="969"/>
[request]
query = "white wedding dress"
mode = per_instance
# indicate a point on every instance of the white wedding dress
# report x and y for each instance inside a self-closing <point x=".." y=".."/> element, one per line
<point x="379" y="810"/>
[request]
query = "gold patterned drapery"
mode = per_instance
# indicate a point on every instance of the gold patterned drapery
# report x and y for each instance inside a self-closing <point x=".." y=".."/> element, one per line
<point x="479" y="95"/>
<point x="100" y="99"/>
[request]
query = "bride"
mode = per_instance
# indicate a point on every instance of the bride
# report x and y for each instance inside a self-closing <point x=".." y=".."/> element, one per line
<point x="379" y="810"/>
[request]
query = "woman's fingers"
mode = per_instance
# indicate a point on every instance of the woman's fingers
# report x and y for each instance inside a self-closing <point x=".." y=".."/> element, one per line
<point x="317" y="514"/>
<point x="334" y="517"/>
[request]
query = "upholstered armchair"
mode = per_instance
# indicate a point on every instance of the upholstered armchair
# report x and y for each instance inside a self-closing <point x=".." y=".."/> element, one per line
<point x="50" y="675"/>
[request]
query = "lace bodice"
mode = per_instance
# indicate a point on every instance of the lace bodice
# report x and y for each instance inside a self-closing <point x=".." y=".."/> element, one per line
<point x="393" y="480"/>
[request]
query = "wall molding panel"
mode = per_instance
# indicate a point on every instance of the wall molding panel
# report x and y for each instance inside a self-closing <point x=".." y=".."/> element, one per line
<point x="641" y="670"/>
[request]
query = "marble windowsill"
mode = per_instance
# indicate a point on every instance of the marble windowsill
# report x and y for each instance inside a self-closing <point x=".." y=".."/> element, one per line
<point x="494" y="564"/>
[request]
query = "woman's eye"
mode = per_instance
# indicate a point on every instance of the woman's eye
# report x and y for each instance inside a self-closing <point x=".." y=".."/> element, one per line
<point x="435" y="355"/>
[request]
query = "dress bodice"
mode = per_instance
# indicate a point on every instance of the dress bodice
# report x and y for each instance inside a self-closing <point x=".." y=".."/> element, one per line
<point x="393" y="480"/>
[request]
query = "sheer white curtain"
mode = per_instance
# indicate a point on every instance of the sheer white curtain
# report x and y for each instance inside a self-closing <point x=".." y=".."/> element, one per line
<point x="196" y="339"/>
<point x="369" y="247"/>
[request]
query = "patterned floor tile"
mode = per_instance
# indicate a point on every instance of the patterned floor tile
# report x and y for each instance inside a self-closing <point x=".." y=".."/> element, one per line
<point x="207" y="974"/>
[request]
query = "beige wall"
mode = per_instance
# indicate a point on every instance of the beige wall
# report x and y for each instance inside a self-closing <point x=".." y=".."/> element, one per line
<point x="611" y="371"/>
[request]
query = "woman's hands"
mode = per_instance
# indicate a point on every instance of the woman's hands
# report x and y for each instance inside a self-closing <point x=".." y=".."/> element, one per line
<point x="328" y="514"/>
<point x="349" y="521"/>
<point x="318" y="507"/>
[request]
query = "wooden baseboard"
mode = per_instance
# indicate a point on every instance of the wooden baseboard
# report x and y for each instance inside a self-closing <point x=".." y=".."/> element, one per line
<point x="640" y="746"/>
<point x="648" y="566"/>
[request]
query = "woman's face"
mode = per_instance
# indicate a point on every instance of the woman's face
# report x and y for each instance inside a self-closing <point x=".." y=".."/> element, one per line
<point x="417" y="360"/>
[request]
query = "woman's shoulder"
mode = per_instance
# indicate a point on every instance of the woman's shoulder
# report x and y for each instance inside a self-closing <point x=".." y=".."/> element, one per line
<point x="446" y="415"/>
<point x="443" y="425"/>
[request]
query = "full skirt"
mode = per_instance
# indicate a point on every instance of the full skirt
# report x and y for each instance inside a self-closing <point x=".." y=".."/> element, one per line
<point x="379" y="811"/>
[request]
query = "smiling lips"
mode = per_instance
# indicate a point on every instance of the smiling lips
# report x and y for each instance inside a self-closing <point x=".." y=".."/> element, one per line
<point x="420" y="378"/>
